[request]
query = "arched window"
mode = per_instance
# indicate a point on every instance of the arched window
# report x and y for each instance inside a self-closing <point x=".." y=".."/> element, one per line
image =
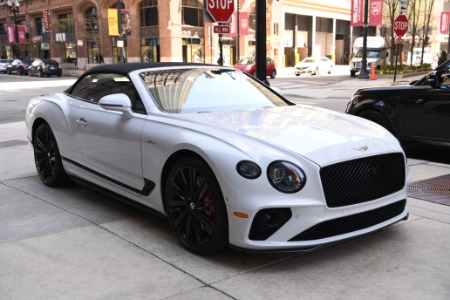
<point x="92" y="34"/>
<point x="91" y="20"/>
<point x="192" y="13"/>
<point x="148" y="13"/>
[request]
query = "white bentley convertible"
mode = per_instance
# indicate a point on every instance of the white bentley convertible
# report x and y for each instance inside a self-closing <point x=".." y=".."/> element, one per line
<point x="229" y="161"/>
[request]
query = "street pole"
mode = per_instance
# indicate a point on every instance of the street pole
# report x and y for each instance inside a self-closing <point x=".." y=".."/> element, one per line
<point x="363" y="74"/>
<point x="119" y="28"/>
<point x="261" y="41"/>
<point x="238" y="33"/>
<point x="14" y="10"/>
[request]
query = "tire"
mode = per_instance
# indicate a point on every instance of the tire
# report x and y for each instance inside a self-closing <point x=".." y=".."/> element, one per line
<point x="59" y="74"/>
<point x="297" y="74"/>
<point x="376" y="117"/>
<point x="195" y="207"/>
<point x="273" y="74"/>
<point x="8" y="71"/>
<point x="316" y="71"/>
<point x="352" y="73"/>
<point x="47" y="158"/>
<point x="40" y="74"/>
<point x="329" y="71"/>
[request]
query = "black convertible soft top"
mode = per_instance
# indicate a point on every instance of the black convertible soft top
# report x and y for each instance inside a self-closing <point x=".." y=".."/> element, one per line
<point x="126" y="68"/>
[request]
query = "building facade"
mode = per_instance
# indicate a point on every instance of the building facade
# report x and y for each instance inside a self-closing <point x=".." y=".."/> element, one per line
<point x="176" y="30"/>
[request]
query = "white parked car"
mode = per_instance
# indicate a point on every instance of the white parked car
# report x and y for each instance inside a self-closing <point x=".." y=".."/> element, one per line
<point x="4" y="63"/>
<point x="225" y="158"/>
<point x="314" y="66"/>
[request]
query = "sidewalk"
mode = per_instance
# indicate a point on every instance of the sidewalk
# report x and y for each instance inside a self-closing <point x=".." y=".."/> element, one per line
<point x="74" y="243"/>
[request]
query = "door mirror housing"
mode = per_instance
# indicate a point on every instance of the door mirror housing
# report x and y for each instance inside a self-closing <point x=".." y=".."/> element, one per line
<point x="432" y="80"/>
<point x="117" y="102"/>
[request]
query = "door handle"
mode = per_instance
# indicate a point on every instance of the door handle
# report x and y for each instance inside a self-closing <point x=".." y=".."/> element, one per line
<point x="81" y="122"/>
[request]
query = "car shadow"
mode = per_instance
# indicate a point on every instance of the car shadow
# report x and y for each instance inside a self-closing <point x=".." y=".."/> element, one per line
<point x="437" y="154"/>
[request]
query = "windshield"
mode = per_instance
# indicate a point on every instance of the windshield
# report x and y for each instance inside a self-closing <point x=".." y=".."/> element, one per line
<point x="309" y="60"/>
<point x="246" y="61"/>
<point x="207" y="89"/>
<point x="370" y="54"/>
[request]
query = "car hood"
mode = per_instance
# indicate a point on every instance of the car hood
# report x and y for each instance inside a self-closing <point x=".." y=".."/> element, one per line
<point x="320" y="135"/>
<point x="398" y="86"/>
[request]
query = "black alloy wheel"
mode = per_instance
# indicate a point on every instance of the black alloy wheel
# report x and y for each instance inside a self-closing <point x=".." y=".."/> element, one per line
<point x="47" y="158"/>
<point x="195" y="207"/>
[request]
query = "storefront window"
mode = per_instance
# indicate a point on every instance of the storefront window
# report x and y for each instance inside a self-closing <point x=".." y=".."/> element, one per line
<point x="150" y="50"/>
<point x="193" y="50"/>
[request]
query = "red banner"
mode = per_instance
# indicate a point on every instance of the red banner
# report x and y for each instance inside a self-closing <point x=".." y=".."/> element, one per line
<point x="46" y="20"/>
<point x="444" y="24"/>
<point x="243" y="19"/>
<point x="375" y="12"/>
<point x="356" y="13"/>
<point x="22" y="33"/>
<point x="11" y="34"/>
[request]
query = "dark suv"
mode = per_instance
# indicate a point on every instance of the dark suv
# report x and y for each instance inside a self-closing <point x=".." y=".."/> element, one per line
<point x="44" y="67"/>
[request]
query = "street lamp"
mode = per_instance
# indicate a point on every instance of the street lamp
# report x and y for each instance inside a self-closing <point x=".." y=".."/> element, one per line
<point x="14" y="10"/>
<point x="364" y="74"/>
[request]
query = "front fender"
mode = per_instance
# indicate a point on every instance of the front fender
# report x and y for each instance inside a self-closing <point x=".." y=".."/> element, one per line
<point x="56" y="111"/>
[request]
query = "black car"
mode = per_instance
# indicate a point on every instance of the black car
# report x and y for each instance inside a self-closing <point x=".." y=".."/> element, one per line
<point x="18" y="66"/>
<point x="44" y="67"/>
<point x="418" y="111"/>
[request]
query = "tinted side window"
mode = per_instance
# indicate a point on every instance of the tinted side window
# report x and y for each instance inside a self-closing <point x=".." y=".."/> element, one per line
<point x="96" y="86"/>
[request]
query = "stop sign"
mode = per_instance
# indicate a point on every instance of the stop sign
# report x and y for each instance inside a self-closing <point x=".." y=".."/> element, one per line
<point x="401" y="25"/>
<point x="220" y="10"/>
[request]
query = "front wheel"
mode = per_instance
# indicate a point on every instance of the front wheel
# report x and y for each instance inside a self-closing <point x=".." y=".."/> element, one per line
<point x="195" y="207"/>
<point x="273" y="74"/>
<point x="47" y="158"/>
<point x="376" y="117"/>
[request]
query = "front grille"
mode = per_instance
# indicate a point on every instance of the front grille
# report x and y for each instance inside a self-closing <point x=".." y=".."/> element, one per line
<point x="363" y="180"/>
<point x="351" y="223"/>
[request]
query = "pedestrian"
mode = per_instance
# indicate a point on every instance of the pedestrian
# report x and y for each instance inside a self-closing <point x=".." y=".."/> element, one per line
<point x="442" y="57"/>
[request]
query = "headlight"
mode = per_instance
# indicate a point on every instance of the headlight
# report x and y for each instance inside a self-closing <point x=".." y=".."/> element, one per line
<point x="286" y="177"/>
<point x="248" y="169"/>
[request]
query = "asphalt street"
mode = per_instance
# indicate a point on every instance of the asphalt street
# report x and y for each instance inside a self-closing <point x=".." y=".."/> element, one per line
<point x="75" y="243"/>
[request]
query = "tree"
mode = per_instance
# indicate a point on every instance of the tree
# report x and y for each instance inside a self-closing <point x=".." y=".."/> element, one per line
<point x="414" y="15"/>
<point x="428" y="13"/>
<point x="391" y="6"/>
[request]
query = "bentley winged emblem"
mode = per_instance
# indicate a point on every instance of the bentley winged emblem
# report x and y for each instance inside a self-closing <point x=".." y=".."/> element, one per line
<point x="362" y="148"/>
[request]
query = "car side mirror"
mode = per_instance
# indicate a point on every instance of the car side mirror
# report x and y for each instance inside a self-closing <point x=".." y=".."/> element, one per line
<point x="432" y="80"/>
<point x="117" y="102"/>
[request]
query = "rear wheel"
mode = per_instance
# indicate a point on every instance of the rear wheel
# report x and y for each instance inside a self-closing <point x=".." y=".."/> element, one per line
<point x="47" y="158"/>
<point x="352" y="73"/>
<point x="195" y="207"/>
<point x="8" y="71"/>
<point x="273" y="74"/>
